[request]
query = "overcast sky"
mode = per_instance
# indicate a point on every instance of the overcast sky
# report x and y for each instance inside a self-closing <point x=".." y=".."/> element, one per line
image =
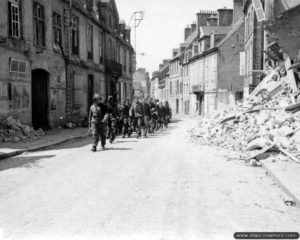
<point x="163" y="26"/>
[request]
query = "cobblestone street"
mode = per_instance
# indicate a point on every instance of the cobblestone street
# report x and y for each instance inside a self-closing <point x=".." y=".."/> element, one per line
<point x="162" y="187"/>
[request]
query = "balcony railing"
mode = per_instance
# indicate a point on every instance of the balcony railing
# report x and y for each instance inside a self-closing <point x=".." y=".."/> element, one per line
<point x="114" y="68"/>
<point x="197" y="88"/>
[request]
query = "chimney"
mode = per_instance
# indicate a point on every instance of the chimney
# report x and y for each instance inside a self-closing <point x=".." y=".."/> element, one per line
<point x="187" y="33"/>
<point x="238" y="13"/>
<point x="212" y="21"/>
<point x="165" y="61"/>
<point x="175" y="52"/>
<point x="127" y="33"/>
<point x="194" y="27"/>
<point x="182" y="47"/>
<point x="225" y="17"/>
<point x="142" y="70"/>
<point x="122" y="26"/>
<point x="202" y="17"/>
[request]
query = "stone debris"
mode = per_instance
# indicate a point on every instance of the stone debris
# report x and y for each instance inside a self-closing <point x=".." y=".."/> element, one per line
<point x="12" y="130"/>
<point x="268" y="121"/>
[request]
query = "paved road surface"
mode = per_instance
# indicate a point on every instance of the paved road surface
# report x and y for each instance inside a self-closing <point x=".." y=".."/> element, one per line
<point x="162" y="187"/>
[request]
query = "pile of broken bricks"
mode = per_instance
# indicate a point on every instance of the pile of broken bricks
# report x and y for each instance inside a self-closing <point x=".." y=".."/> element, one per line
<point x="12" y="130"/>
<point x="267" y="124"/>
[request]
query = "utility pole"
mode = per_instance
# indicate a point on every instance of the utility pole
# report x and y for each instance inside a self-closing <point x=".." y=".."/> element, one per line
<point x="137" y="16"/>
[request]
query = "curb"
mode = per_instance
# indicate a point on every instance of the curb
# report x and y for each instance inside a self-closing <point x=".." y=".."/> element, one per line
<point x="282" y="186"/>
<point x="19" y="152"/>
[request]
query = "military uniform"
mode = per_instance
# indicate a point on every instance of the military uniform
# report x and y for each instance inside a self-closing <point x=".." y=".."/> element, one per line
<point x="147" y="118"/>
<point x="131" y="121"/>
<point x="113" y="112"/>
<point x="139" y="115"/>
<point x="124" y="119"/>
<point x="97" y="123"/>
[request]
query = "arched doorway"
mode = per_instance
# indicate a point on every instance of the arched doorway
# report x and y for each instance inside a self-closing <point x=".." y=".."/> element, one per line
<point x="39" y="92"/>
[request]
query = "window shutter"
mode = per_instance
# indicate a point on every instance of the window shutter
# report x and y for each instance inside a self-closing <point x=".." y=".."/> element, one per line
<point x="259" y="10"/>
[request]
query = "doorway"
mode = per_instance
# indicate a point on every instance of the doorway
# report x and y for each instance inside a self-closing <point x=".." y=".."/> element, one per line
<point x="90" y="91"/>
<point x="39" y="94"/>
<point x="177" y="106"/>
<point x="201" y="104"/>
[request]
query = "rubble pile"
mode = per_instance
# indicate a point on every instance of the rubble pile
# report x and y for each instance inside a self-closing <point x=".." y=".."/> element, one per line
<point x="11" y="130"/>
<point x="268" y="120"/>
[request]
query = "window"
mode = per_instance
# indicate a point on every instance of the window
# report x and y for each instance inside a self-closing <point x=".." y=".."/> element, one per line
<point x="118" y="53"/>
<point x="14" y="19"/>
<point x="125" y="60"/>
<point x="195" y="49"/>
<point x="101" y="47"/>
<point x="57" y="29"/>
<point x="125" y="90"/>
<point x="110" y="21"/>
<point x="181" y="88"/>
<point x="130" y="63"/>
<point x="17" y="66"/>
<point x="110" y="49"/>
<point x="170" y="88"/>
<point x="90" y="41"/>
<point x="75" y="34"/>
<point x="39" y="24"/>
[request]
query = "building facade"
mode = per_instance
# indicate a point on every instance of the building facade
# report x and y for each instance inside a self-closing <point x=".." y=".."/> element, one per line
<point x="154" y="85"/>
<point x="225" y="51"/>
<point x="141" y="84"/>
<point x="57" y="55"/>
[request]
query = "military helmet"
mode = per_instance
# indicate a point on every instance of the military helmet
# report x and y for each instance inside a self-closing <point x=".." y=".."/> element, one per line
<point x="96" y="96"/>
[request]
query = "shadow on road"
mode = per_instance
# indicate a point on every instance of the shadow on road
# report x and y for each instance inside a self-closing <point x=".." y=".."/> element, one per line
<point x="117" y="149"/>
<point x="25" y="162"/>
<point x="176" y="121"/>
<point x="129" y="141"/>
<point x="79" y="143"/>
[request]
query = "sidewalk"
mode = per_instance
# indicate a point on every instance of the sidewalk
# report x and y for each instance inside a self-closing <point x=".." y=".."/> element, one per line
<point x="287" y="174"/>
<point x="51" y="138"/>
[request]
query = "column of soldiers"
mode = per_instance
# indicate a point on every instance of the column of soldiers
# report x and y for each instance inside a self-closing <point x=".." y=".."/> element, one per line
<point x="138" y="119"/>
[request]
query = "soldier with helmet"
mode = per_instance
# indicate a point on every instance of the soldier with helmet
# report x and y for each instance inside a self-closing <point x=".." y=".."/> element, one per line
<point x="97" y="122"/>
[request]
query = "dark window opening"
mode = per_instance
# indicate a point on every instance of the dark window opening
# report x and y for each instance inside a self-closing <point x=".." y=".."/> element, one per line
<point x="39" y="24"/>
<point x="75" y="35"/>
<point x="14" y="19"/>
<point x="90" y="41"/>
<point x="57" y="29"/>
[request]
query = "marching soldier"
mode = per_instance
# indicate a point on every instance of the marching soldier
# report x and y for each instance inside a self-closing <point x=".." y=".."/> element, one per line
<point x="132" y="119"/>
<point x="97" y="122"/>
<point x="139" y="115"/>
<point x="124" y="118"/>
<point x="153" y="111"/>
<point x="147" y="117"/>
<point x="168" y="111"/>
<point x="113" y="112"/>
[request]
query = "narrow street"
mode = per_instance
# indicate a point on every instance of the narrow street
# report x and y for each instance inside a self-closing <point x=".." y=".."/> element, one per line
<point x="163" y="187"/>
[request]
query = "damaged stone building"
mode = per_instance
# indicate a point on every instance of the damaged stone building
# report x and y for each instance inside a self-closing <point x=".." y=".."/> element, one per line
<point x="225" y="53"/>
<point x="56" y="54"/>
<point x="268" y="24"/>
